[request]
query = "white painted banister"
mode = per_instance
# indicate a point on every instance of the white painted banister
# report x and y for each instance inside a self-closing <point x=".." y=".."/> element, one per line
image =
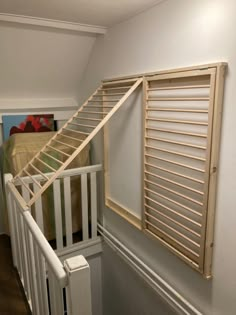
<point x="63" y="204"/>
<point x="41" y="272"/>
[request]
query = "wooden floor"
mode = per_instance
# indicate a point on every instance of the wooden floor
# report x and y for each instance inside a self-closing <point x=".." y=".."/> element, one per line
<point x="12" y="300"/>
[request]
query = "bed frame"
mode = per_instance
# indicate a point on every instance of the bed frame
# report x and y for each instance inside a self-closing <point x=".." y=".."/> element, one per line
<point x="53" y="282"/>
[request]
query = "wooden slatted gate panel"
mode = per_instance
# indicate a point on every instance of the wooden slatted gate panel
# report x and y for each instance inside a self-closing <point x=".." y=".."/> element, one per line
<point x="180" y="155"/>
<point x="73" y="137"/>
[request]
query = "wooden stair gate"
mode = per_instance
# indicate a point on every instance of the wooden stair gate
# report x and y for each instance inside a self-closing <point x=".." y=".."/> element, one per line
<point x="73" y="137"/>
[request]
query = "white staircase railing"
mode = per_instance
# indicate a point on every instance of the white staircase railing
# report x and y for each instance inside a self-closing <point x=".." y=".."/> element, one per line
<point x="50" y="287"/>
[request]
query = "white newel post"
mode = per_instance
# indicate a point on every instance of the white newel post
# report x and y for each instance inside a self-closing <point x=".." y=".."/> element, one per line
<point x="79" y="288"/>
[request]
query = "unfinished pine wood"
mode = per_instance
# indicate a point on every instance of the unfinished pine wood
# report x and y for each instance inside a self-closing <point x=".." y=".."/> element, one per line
<point x="134" y="83"/>
<point x="163" y="196"/>
<point x="175" y="183"/>
<point x="168" y="71"/>
<point x="183" y="87"/>
<point x="124" y="213"/>
<point x="166" y="200"/>
<point x="173" y="211"/>
<point x="175" y="163"/>
<point x="166" y="99"/>
<point x="207" y="175"/>
<point x="184" y="110"/>
<point x="145" y="131"/>
<point x="215" y="149"/>
<point x="178" y="121"/>
<point x="175" y="173"/>
<point x="178" y="143"/>
<point x="178" y="132"/>
<point x="173" y="220"/>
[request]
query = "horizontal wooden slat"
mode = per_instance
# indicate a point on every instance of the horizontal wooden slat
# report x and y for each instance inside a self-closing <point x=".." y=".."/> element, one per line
<point x="99" y="106"/>
<point x="76" y="131"/>
<point x="176" y="163"/>
<point x="184" y="110"/>
<point x="116" y="88"/>
<point x="178" y="214"/>
<point x="94" y="113"/>
<point x="174" y="239"/>
<point x="85" y="118"/>
<point x="57" y="150"/>
<point x="52" y="157"/>
<point x="178" y="132"/>
<point x="32" y="178"/>
<point x="82" y="125"/>
<point x="26" y="186"/>
<point x="180" y="87"/>
<point x="176" y="153"/>
<point x="173" y="220"/>
<point x="45" y="164"/>
<point x="178" y="99"/>
<point x="102" y="101"/>
<point x="71" y="138"/>
<point x="65" y="144"/>
<point x="188" y="122"/>
<point x="109" y="94"/>
<point x="174" y="192"/>
<point x="38" y="171"/>
<point x="176" y="142"/>
<point x="175" y="173"/>
<point x="173" y="201"/>
<point x="172" y="229"/>
<point x="174" y="183"/>
<point x="113" y="82"/>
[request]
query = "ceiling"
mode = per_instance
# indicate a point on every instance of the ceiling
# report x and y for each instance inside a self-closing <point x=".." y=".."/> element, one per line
<point x="94" y="12"/>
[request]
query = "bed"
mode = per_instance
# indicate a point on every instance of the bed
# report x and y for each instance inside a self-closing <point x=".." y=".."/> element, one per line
<point x="17" y="151"/>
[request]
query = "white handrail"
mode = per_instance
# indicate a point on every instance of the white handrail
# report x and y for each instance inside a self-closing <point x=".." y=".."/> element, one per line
<point x="38" y="263"/>
<point x="70" y="172"/>
<point x="49" y="254"/>
<point x="17" y="196"/>
<point x="52" y="260"/>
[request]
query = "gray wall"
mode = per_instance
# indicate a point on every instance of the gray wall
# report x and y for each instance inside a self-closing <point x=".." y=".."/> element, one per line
<point x="95" y="264"/>
<point x="124" y="292"/>
<point x="170" y="35"/>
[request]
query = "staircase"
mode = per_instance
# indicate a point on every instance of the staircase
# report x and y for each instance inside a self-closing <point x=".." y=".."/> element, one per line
<point x="72" y="138"/>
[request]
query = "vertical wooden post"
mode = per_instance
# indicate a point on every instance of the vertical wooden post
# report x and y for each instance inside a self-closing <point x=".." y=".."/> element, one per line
<point x="79" y="288"/>
<point x="9" y="177"/>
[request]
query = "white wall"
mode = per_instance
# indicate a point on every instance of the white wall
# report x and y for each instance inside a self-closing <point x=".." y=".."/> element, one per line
<point x="170" y="35"/>
<point x="38" y="62"/>
<point x="139" y="300"/>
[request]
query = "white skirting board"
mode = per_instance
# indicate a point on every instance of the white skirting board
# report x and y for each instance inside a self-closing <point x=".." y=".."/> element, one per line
<point x="168" y="293"/>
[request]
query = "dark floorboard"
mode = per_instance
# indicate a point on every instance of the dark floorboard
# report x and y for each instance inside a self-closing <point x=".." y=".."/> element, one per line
<point x="12" y="300"/>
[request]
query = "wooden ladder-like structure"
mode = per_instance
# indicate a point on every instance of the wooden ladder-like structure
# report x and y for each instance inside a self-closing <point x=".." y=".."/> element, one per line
<point x="72" y="138"/>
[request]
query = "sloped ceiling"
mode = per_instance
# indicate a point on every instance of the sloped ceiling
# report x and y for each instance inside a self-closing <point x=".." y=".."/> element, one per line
<point x="41" y="62"/>
<point x="95" y="12"/>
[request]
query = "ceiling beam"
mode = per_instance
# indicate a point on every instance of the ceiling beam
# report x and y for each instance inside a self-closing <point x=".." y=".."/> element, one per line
<point x="76" y="27"/>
